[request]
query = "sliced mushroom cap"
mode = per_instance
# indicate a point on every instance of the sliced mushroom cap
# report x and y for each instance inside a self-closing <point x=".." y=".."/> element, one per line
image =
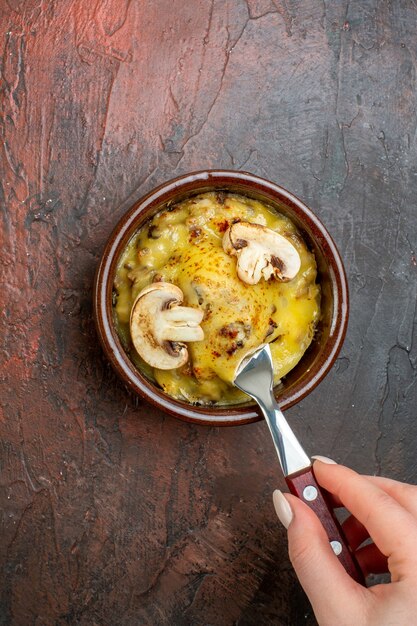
<point x="159" y="326"/>
<point x="261" y="252"/>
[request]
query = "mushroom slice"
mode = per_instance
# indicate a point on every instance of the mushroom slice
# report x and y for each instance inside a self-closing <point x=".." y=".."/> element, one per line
<point x="159" y="326"/>
<point x="261" y="252"/>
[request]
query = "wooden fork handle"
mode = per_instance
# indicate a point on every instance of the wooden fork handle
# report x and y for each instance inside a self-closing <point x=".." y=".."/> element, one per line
<point x="304" y="486"/>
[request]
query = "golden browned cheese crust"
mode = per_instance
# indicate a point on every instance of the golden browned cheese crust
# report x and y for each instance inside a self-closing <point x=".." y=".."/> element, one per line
<point x="183" y="245"/>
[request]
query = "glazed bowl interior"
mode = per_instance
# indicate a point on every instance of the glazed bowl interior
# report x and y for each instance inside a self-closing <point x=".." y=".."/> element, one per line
<point x="330" y="331"/>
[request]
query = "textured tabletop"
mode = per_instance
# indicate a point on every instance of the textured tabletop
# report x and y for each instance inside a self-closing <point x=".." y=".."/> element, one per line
<point x="111" y="512"/>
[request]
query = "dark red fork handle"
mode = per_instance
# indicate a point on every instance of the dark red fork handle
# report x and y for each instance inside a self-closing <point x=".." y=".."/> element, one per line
<point x="304" y="486"/>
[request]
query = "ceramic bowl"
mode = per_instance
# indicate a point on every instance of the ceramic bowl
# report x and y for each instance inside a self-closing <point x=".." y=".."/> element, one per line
<point x="331" y="329"/>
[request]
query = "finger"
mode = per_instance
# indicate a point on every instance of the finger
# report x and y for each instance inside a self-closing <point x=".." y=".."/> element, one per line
<point x="405" y="494"/>
<point x="354" y="531"/>
<point x="332" y="498"/>
<point x="371" y="560"/>
<point x="320" y="572"/>
<point x="392" y="528"/>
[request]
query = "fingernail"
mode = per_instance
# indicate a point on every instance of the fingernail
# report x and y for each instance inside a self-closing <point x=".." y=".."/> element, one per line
<point x="282" y="508"/>
<point x="324" y="459"/>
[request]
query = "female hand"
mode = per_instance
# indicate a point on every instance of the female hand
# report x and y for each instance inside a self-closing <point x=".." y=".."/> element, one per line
<point x="382" y="509"/>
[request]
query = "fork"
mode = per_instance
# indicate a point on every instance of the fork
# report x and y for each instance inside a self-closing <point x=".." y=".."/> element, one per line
<point x="254" y="376"/>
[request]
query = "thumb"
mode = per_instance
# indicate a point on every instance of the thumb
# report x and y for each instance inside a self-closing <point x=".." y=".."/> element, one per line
<point x="330" y="589"/>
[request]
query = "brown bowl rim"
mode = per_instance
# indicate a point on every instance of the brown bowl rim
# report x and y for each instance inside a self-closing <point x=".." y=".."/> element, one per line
<point x="102" y="293"/>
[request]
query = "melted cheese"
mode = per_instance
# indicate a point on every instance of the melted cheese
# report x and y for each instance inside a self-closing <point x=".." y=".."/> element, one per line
<point x="183" y="245"/>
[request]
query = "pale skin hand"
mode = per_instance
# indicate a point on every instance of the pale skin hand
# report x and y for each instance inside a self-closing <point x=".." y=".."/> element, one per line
<point x="386" y="511"/>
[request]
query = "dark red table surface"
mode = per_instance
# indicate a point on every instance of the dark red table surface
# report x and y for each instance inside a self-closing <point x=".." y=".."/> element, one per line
<point x="111" y="512"/>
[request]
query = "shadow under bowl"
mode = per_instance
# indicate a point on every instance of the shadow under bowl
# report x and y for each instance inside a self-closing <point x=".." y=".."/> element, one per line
<point x="331" y="330"/>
